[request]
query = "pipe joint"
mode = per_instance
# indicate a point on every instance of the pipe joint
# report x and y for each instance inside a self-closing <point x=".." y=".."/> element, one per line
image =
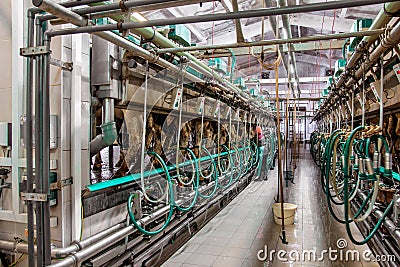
<point x="106" y="138"/>
<point x="109" y="133"/>
<point x="390" y="13"/>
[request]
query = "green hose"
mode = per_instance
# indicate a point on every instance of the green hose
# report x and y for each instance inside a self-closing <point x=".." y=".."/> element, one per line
<point x="196" y="184"/>
<point x="171" y="202"/>
<point x="348" y="145"/>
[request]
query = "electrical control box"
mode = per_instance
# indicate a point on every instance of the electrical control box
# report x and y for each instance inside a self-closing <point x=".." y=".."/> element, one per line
<point x="194" y="72"/>
<point x="339" y="67"/>
<point x="5" y="134"/>
<point x="180" y="34"/>
<point x="218" y="65"/>
<point x="358" y="26"/>
<point x="106" y="69"/>
<point x="325" y="92"/>
<point x="254" y="89"/>
<point x="239" y="82"/>
<point x="329" y="83"/>
<point x="348" y="50"/>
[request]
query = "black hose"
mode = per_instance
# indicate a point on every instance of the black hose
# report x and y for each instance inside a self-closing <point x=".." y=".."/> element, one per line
<point x="3" y="259"/>
<point x="1" y="187"/>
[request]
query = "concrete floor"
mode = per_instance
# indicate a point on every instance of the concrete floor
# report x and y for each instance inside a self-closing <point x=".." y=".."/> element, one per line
<point x="236" y="235"/>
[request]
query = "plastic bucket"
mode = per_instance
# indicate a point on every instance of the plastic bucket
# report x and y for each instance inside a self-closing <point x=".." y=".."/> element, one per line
<point x="289" y="213"/>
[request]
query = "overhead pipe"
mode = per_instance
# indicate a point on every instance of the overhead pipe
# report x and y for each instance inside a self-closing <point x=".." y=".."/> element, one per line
<point x="148" y="33"/>
<point x="244" y="14"/>
<point x="151" y="34"/>
<point x="383" y="18"/>
<point x="295" y="40"/>
<point x="43" y="76"/>
<point x="388" y="42"/>
<point x="157" y="38"/>
<point x="380" y="21"/>
<point x="109" y="131"/>
<point x="292" y="54"/>
<point x="118" y="11"/>
<point x="272" y="22"/>
<point x="111" y="6"/>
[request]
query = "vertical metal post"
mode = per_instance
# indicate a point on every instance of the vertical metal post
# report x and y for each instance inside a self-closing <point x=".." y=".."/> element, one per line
<point x="46" y="154"/>
<point x="28" y="140"/>
<point x="42" y="148"/>
<point x="38" y="148"/>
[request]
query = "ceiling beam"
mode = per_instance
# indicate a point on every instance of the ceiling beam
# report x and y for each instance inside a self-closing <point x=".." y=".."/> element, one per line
<point x="305" y="20"/>
<point x="239" y="30"/>
<point x="315" y="21"/>
<point x="249" y="31"/>
<point x="343" y="13"/>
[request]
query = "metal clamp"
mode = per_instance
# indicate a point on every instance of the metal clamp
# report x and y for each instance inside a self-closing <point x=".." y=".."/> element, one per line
<point x="60" y="184"/>
<point x="34" y="51"/>
<point x="61" y="64"/>
<point x="34" y="197"/>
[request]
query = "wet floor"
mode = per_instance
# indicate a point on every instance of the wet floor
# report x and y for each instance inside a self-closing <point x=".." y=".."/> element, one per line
<point x="240" y="234"/>
<point x="102" y="170"/>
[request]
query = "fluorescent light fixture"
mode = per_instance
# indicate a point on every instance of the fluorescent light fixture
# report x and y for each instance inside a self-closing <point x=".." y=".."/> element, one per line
<point x="138" y="16"/>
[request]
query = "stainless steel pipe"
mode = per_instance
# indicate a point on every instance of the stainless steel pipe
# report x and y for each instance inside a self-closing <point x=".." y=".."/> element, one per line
<point x="388" y="223"/>
<point x="388" y="42"/>
<point x="140" y="8"/>
<point x="78" y="257"/>
<point x="380" y="21"/>
<point x="291" y="53"/>
<point x="65" y="14"/>
<point x="244" y="14"/>
<point x="29" y="139"/>
<point x="375" y="32"/>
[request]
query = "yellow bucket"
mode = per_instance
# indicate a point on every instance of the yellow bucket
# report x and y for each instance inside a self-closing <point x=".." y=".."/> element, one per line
<point x="289" y="213"/>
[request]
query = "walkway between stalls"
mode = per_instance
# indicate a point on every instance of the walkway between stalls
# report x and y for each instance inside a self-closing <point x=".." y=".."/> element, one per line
<point x="236" y="235"/>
